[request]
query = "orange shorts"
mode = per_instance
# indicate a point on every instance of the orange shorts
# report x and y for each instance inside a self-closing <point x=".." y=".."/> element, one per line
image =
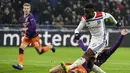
<point x="34" y="41"/>
<point x="80" y="68"/>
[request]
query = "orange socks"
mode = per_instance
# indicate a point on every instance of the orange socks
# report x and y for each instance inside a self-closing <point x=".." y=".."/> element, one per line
<point x="46" y="48"/>
<point x="21" y="56"/>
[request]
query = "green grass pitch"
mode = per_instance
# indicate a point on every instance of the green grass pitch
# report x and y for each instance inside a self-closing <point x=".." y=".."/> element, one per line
<point x="119" y="62"/>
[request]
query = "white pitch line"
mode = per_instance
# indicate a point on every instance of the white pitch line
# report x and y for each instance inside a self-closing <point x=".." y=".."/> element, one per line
<point x="37" y="63"/>
<point x="47" y="63"/>
<point x="117" y="69"/>
<point x="32" y="61"/>
<point x="122" y="63"/>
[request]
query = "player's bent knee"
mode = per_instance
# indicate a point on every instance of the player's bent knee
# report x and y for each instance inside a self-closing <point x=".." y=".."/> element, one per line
<point x="89" y="54"/>
<point x="39" y="52"/>
<point x="23" y="45"/>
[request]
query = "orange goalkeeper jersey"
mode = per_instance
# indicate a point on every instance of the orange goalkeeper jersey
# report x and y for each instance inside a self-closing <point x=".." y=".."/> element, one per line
<point x="79" y="68"/>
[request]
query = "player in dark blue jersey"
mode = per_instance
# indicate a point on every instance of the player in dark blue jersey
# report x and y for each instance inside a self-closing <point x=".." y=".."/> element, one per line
<point x="30" y="36"/>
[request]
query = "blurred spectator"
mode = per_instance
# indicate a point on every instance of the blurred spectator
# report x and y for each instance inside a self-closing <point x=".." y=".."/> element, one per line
<point x="67" y="21"/>
<point x="46" y="17"/>
<point x="119" y="5"/>
<point x="79" y="10"/>
<point x="128" y="16"/>
<point x="1" y="15"/>
<point x="7" y="16"/>
<point x="66" y="12"/>
<point x="99" y="5"/>
<point x="74" y="18"/>
<point x="17" y="6"/>
<point x="58" y="21"/>
<point x="42" y="5"/>
<point x="127" y="19"/>
<point x="53" y="3"/>
<point x="36" y="14"/>
<point x="14" y="20"/>
<point x="59" y="8"/>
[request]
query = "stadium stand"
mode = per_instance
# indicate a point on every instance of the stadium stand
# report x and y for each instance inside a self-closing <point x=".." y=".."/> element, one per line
<point x="61" y="12"/>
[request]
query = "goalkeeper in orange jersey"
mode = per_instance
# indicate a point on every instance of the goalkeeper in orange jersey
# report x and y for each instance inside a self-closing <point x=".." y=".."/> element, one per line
<point x="79" y="69"/>
<point x="30" y="36"/>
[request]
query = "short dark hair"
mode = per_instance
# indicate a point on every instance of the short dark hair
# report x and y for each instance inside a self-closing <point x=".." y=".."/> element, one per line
<point x="91" y="6"/>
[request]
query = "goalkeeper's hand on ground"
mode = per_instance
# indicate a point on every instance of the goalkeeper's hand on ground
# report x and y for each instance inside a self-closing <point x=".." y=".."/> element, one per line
<point x="77" y="36"/>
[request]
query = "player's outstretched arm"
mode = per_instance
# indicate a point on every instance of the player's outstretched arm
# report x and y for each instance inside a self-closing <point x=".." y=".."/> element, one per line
<point x="118" y="42"/>
<point x="107" y="53"/>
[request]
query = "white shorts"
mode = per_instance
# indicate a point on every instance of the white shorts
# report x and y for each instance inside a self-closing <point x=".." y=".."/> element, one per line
<point x="97" y="46"/>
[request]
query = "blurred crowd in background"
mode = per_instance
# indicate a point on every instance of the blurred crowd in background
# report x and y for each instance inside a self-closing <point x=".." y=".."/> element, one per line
<point x="62" y="12"/>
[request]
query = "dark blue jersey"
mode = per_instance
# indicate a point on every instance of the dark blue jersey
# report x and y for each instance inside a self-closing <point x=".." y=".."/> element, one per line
<point x="29" y="23"/>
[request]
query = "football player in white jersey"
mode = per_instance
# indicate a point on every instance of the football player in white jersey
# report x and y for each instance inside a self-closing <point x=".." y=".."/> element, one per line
<point x="95" y="23"/>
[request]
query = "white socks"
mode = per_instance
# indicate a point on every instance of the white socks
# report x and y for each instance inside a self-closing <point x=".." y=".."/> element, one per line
<point x="21" y="65"/>
<point x="97" y="69"/>
<point x="78" y="62"/>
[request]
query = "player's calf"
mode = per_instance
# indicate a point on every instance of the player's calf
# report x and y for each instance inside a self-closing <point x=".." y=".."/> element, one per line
<point x="41" y="50"/>
<point x="90" y="63"/>
<point x="89" y="54"/>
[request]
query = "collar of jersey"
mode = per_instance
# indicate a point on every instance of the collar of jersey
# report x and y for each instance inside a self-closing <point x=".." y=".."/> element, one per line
<point x="94" y="18"/>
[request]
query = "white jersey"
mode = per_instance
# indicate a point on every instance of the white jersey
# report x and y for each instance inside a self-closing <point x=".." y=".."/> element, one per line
<point x="96" y="25"/>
